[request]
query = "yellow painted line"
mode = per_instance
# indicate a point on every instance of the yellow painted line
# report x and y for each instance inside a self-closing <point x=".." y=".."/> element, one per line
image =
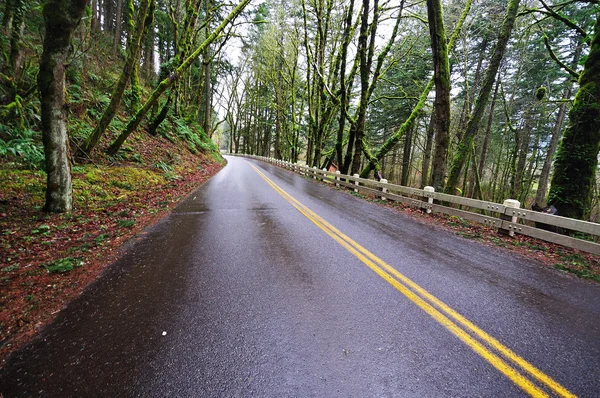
<point x="396" y="279"/>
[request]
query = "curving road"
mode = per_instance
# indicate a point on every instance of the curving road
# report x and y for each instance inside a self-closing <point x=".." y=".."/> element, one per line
<point x="264" y="283"/>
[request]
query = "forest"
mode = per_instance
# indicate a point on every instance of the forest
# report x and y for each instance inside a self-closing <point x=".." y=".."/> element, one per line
<point x="488" y="99"/>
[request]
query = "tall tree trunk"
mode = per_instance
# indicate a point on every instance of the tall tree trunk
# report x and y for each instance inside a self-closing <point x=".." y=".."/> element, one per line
<point x="441" y="77"/>
<point x="577" y="155"/>
<point x="427" y="153"/>
<point x="473" y="125"/>
<point x="109" y="15"/>
<point x="523" y="151"/>
<point x="540" y="195"/>
<point x="149" y="64"/>
<point x="488" y="130"/>
<point x="16" y="38"/>
<point x="95" y="24"/>
<point x="206" y="72"/>
<point x="136" y="87"/>
<point x="358" y="126"/>
<point x="118" y="23"/>
<point x="8" y="15"/>
<point x="339" y="146"/>
<point x="406" y="151"/>
<point x="61" y="17"/>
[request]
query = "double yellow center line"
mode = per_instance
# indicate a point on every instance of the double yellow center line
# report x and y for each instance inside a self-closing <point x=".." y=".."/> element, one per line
<point x="518" y="370"/>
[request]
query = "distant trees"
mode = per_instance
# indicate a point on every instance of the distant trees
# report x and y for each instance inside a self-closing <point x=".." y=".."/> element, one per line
<point x="502" y="94"/>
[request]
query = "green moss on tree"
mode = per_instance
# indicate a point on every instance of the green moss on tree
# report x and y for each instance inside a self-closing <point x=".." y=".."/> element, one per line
<point x="577" y="156"/>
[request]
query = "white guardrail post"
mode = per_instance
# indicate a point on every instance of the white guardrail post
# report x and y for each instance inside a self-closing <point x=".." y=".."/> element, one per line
<point x="509" y="204"/>
<point x="430" y="198"/>
<point x="356" y="182"/>
<point x="384" y="189"/>
<point x="337" y="178"/>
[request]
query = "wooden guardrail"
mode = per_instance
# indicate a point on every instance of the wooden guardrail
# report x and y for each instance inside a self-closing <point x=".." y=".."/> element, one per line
<point x="508" y="217"/>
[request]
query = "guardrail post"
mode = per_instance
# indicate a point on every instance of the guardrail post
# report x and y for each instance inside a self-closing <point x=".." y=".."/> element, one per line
<point x="323" y="179"/>
<point x="509" y="204"/>
<point x="356" y="182"/>
<point x="314" y="172"/>
<point x="383" y="189"/>
<point x="337" y="178"/>
<point x="429" y="199"/>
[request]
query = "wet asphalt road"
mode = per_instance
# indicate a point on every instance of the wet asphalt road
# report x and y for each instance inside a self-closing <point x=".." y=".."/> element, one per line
<point x="237" y="293"/>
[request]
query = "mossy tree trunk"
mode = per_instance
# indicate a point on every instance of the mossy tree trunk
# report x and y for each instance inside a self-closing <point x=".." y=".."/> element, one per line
<point x="465" y="144"/>
<point x="118" y="25"/>
<point x="19" y="10"/>
<point x="136" y="87"/>
<point x="425" y="180"/>
<point x="441" y="76"/>
<point x="206" y="73"/>
<point x="540" y="195"/>
<point x="577" y="156"/>
<point x="339" y="144"/>
<point x="61" y="17"/>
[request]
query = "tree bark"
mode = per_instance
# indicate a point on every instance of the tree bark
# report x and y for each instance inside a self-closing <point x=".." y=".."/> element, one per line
<point x="473" y="125"/>
<point x="206" y="85"/>
<point x="365" y="70"/>
<point x="488" y="131"/>
<point x="339" y="146"/>
<point x="8" y="15"/>
<point x="577" y="155"/>
<point x="406" y="152"/>
<point x="441" y="76"/>
<point x="118" y="24"/>
<point x="95" y="24"/>
<point x="427" y="153"/>
<point x="540" y="195"/>
<point x="16" y="38"/>
<point x="61" y="17"/>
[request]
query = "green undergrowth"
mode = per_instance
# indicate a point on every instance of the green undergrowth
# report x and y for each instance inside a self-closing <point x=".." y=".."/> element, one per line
<point x="62" y="265"/>
<point x="577" y="264"/>
<point x="90" y="79"/>
<point x="177" y="129"/>
<point x="93" y="186"/>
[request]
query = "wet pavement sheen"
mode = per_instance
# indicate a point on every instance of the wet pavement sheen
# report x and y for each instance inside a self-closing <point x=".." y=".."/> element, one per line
<point x="237" y="294"/>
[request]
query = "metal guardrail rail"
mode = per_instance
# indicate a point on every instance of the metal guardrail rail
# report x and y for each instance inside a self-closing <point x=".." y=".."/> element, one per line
<point x="510" y="217"/>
